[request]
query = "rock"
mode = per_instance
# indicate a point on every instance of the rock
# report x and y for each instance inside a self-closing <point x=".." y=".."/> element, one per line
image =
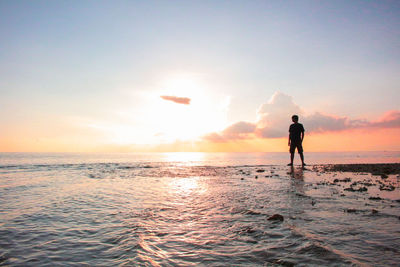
<point x="374" y="211"/>
<point x="242" y="178"/>
<point x="362" y="189"/>
<point x="375" y="198"/>
<point x="260" y="170"/>
<point x="284" y="263"/>
<point x="256" y="177"/>
<point x="276" y="217"/>
<point x="351" y="210"/>
<point x="351" y="189"/>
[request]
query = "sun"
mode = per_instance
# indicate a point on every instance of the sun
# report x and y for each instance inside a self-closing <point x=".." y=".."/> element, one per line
<point x="153" y="120"/>
<point x="206" y="112"/>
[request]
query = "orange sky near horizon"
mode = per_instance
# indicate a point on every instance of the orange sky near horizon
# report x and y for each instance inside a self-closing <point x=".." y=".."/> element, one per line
<point x="349" y="140"/>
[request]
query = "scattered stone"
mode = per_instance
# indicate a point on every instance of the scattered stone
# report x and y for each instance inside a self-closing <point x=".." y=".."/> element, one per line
<point x="242" y="178"/>
<point x="361" y="189"/>
<point x="260" y="170"/>
<point x="367" y="184"/>
<point x="256" y="177"/>
<point x="276" y="217"/>
<point x="376" y="169"/>
<point x="374" y="211"/>
<point x="386" y="187"/>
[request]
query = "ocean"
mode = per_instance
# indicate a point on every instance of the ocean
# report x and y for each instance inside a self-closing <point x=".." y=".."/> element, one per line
<point x="195" y="209"/>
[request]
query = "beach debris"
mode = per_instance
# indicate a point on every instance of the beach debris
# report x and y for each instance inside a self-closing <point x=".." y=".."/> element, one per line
<point x="276" y="217"/>
<point x="260" y="170"/>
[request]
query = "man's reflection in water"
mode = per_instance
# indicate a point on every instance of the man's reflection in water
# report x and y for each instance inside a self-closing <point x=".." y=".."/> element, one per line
<point x="296" y="173"/>
<point x="297" y="188"/>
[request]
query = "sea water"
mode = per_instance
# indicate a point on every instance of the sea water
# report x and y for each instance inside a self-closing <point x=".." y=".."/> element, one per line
<point x="193" y="209"/>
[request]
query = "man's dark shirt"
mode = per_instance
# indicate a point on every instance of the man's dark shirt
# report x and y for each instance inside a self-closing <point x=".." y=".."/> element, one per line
<point x="295" y="131"/>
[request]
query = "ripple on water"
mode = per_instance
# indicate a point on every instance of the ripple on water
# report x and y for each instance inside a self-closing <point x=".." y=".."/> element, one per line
<point x="104" y="214"/>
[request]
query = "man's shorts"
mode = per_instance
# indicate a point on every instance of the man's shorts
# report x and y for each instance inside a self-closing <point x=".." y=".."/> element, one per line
<point x="293" y="146"/>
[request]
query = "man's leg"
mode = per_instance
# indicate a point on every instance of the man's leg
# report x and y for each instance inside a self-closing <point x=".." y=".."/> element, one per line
<point x="291" y="150"/>
<point x="300" y="150"/>
<point x="302" y="158"/>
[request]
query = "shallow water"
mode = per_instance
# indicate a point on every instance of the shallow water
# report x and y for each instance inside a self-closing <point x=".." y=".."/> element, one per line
<point x="177" y="213"/>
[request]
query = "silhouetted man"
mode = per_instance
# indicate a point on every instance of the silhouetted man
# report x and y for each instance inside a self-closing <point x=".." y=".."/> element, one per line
<point x="296" y="136"/>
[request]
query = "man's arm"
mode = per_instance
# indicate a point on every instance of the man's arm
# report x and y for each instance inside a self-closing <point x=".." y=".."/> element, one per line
<point x="288" y="141"/>
<point x="302" y="136"/>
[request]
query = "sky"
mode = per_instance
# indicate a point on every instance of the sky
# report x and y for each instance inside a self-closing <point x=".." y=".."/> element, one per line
<point x="126" y="76"/>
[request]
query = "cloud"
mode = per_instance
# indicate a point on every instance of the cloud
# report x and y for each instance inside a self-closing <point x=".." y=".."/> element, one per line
<point x="239" y="130"/>
<point x="178" y="100"/>
<point x="391" y="119"/>
<point x="274" y="117"/>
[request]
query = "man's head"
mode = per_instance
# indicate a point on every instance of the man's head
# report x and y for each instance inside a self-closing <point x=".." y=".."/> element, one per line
<point x="295" y="118"/>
